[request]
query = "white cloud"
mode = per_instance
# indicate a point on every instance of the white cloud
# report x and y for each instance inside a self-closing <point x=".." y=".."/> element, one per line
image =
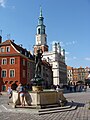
<point x="74" y="58"/>
<point x="88" y="58"/>
<point x="62" y="44"/>
<point x="66" y="58"/>
<point x="67" y="53"/>
<point x="70" y="58"/>
<point x="13" y="7"/>
<point x="71" y="43"/>
<point x="68" y="43"/>
<point x="53" y="42"/>
<point x="2" y="3"/>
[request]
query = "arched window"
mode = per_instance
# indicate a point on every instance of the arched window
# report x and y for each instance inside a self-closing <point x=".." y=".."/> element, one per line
<point x="39" y="31"/>
<point x="44" y="31"/>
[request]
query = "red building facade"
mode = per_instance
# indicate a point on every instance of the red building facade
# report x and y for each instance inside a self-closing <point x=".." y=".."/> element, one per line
<point x="16" y="64"/>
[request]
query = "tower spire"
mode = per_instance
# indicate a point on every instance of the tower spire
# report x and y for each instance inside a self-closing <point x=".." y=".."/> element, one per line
<point x="40" y="19"/>
<point x="40" y="11"/>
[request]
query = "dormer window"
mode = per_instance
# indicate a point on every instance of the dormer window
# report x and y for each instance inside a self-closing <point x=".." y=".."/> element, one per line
<point x="29" y="56"/>
<point x="2" y="49"/>
<point x="25" y="53"/>
<point x="8" y="49"/>
<point x="21" y="51"/>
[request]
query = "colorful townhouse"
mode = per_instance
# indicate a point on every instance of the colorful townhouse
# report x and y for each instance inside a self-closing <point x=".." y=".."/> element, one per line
<point x="16" y="64"/>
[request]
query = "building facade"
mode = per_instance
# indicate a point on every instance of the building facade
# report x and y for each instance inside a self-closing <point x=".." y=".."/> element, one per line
<point x="16" y="64"/>
<point x="81" y="74"/>
<point x="87" y="71"/>
<point x="77" y="75"/>
<point x="69" y="74"/>
<point x="47" y="74"/>
<point x="57" y="61"/>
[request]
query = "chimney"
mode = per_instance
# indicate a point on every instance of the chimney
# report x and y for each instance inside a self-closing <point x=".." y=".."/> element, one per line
<point x="13" y="40"/>
<point x="20" y="45"/>
<point x="0" y="36"/>
<point x="0" y="39"/>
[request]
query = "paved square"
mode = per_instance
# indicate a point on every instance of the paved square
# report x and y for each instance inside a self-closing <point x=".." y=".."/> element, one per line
<point x="81" y="113"/>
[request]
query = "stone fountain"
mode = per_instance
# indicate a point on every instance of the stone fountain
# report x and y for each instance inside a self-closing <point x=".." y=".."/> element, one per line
<point x="39" y="97"/>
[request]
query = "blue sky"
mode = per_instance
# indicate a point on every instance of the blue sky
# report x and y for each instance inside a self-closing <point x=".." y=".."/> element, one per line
<point x="67" y="21"/>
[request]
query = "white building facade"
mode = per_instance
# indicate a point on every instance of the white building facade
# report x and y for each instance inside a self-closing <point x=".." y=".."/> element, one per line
<point x="56" y="58"/>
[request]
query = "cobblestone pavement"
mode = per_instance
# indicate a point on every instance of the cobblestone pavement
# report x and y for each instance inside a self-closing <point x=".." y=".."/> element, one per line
<point x="81" y="113"/>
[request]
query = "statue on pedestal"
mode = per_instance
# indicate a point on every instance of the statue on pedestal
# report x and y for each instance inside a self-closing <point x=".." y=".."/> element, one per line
<point x="38" y="62"/>
<point x="37" y="80"/>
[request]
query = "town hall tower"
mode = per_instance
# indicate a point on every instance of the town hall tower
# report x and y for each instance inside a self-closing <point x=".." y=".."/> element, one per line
<point x="41" y="37"/>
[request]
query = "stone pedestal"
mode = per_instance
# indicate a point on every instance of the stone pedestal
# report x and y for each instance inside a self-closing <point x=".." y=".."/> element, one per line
<point x="40" y="98"/>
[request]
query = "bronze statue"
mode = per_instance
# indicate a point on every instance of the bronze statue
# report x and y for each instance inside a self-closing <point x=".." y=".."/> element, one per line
<point x="38" y="58"/>
<point x="37" y="80"/>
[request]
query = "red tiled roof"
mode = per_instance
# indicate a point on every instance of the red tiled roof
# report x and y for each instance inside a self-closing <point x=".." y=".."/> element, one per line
<point x="18" y="47"/>
<point x="5" y="42"/>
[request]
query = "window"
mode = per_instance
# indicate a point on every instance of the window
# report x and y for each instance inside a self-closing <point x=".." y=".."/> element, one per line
<point x="39" y="31"/>
<point x="29" y="55"/>
<point x="12" y="60"/>
<point x="23" y="62"/>
<point x="45" y="39"/>
<point x="26" y="53"/>
<point x="2" y="49"/>
<point x="8" y="49"/>
<point x="23" y="73"/>
<point x="44" y="31"/>
<point x="12" y="73"/>
<point x="21" y="51"/>
<point x="4" y="61"/>
<point x="3" y="73"/>
<point x="28" y="64"/>
<point x="28" y="75"/>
